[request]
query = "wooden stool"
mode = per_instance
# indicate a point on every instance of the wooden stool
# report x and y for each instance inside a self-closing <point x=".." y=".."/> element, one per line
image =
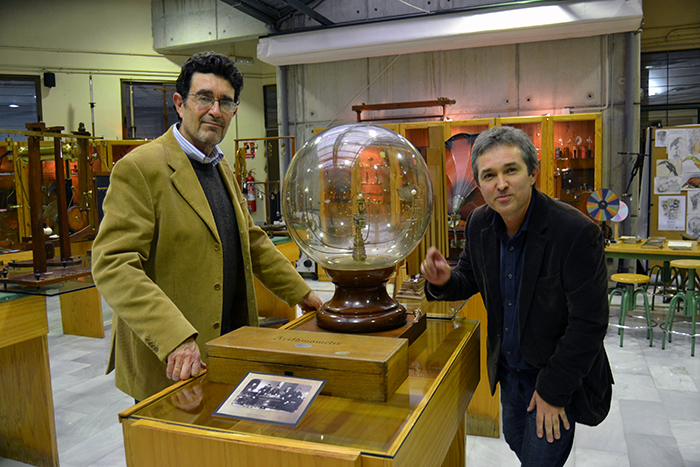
<point x="690" y="304"/>
<point x="628" y="303"/>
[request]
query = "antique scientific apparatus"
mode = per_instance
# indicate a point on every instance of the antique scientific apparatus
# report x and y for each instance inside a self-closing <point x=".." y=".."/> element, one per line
<point x="357" y="199"/>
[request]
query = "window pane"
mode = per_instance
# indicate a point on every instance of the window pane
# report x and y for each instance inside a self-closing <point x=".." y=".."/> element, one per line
<point x="683" y="94"/>
<point x="669" y="117"/>
<point x="18" y="105"/>
<point x="672" y="80"/>
<point x="153" y="108"/>
<point x="683" y="117"/>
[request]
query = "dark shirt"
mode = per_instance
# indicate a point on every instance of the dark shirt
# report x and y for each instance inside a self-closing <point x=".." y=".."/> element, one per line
<point x="511" y="267"/>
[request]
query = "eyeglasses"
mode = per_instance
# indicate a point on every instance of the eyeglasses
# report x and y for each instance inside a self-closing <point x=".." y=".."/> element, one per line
<point x="227" y="106"/>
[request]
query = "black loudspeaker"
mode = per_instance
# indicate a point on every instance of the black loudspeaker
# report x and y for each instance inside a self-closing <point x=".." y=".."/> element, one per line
<point x="50" y="80"/>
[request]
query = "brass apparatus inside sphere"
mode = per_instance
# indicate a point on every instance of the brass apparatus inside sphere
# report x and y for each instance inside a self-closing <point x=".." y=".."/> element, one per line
<point x="361" y="302"/>
<point x="358" y="252"/>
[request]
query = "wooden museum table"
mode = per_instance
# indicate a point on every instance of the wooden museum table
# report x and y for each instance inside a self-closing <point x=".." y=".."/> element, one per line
<point x="664" y="254"/>
<point x="635" y="251"/>
<point x="422" y="424"/>
<point x="81" y="303"/>
<point x="27" y="429"/>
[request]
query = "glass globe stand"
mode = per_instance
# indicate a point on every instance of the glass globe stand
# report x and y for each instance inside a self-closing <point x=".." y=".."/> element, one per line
<point x="361" y="303"/>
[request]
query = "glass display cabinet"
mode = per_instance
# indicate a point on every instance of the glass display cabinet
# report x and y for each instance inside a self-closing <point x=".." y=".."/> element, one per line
<point x="570" y="149"/>
<point x="577" y="157"/>
<point x="15" y="215"/>
<point x="421" y="424"/>
<point x="461" y="193"/>
<point x="537" y="130"/>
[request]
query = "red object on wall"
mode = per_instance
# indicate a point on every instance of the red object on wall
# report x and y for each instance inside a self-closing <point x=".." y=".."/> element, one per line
<point x="250" y="190"/>
<point x="250" y="148"/>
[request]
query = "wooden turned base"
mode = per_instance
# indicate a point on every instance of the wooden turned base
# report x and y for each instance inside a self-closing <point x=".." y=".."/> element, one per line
<point x="361" y="303"/>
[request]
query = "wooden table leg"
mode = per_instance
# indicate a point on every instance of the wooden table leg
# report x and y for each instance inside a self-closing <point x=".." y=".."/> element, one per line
<point x="484" y="411"/>
<point x="27" y="428"/>
<point x="81" y="313"/>
<point x="457" y="454"/>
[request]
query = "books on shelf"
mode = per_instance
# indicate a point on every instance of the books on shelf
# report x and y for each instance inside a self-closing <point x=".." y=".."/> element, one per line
<point x="680" y="244"/>
<point x="654" y="242"/>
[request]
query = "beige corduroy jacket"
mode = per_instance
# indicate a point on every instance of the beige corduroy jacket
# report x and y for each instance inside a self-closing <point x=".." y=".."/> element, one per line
<point x="158" y="263"/>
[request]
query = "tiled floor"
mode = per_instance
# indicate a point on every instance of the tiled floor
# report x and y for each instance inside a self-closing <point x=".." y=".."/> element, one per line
<point x="654" y="421"/>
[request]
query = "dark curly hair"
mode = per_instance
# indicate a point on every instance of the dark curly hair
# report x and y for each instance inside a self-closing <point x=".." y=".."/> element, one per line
<point x="209" y="62"/>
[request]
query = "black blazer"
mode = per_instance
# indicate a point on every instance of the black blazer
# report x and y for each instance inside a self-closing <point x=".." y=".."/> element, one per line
<point x="563" y="310"/>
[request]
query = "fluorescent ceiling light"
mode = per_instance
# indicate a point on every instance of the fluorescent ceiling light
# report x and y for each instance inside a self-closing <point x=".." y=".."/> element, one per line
<point x="14" y="106"/>
<point x="483" y="28"/>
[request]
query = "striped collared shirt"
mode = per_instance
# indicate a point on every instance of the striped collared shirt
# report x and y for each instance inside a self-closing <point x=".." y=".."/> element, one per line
<point x="195" y="154"/>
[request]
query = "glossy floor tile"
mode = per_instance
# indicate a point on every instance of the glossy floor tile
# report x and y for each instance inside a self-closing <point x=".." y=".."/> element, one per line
<point x="654" y="419"/>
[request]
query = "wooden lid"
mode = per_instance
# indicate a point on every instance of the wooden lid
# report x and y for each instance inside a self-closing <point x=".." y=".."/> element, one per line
<point x="347" y="352"/>
<point x="627" y="278"/>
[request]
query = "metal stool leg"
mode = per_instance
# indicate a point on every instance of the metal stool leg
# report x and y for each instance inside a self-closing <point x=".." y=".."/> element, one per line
<point x="622" y="299"/>
<point x="673" y="308"/>
<point x="669" y="275"/>
<point x="691" y="308"/>
<point x="656" y="282"/>
<point x="627" y="304"/>
<point x="647" y="314"/>
<point x="693" y="317"/>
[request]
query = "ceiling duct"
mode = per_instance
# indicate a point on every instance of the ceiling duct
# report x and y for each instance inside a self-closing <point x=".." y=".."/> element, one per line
<point x="469" y="29"/>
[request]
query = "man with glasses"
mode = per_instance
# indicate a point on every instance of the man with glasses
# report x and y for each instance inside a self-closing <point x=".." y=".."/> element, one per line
<point x="177" y="249"/>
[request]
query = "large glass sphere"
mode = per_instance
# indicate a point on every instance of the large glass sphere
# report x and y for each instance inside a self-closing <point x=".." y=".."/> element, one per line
<point x="357" y="197"/>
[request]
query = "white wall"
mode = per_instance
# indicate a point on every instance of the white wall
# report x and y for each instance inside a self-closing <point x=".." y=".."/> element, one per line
<point x="537" y="78"/>
<point x="112" y="40"/>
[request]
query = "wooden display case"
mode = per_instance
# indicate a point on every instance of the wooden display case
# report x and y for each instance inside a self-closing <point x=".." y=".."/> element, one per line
<point x="576" y="153"/>
<point x="417" y="132"/>
<point x="538" y="130"/>
<point x="108" y="152"/>
<point x="569" y="148"/>
<point x="49" y="188"/>
<point x="15" y="214"/>
<point x="422" y="423"/>
<point x="9" y="214"/>
<point x="450" y="177"/>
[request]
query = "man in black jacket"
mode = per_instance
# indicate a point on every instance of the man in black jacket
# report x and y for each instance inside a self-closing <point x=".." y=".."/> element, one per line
<point x="539" y="265"/>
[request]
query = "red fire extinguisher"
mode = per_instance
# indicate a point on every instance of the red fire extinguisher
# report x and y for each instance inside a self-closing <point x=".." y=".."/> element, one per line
<point x="250" y="190"/>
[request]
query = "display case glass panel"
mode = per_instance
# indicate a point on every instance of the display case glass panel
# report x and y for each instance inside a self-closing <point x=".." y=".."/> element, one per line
<point x="576" y="155"/>
<point x="536" y="129"/>
<point x="372" y="427"/>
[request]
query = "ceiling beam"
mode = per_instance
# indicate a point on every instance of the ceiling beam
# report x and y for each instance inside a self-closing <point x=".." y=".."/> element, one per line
<point x="301" y="7"/>
<point x="257" y="10"/>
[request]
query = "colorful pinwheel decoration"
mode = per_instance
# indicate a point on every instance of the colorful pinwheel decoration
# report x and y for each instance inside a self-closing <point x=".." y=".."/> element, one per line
<point x="603" y="204"/>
